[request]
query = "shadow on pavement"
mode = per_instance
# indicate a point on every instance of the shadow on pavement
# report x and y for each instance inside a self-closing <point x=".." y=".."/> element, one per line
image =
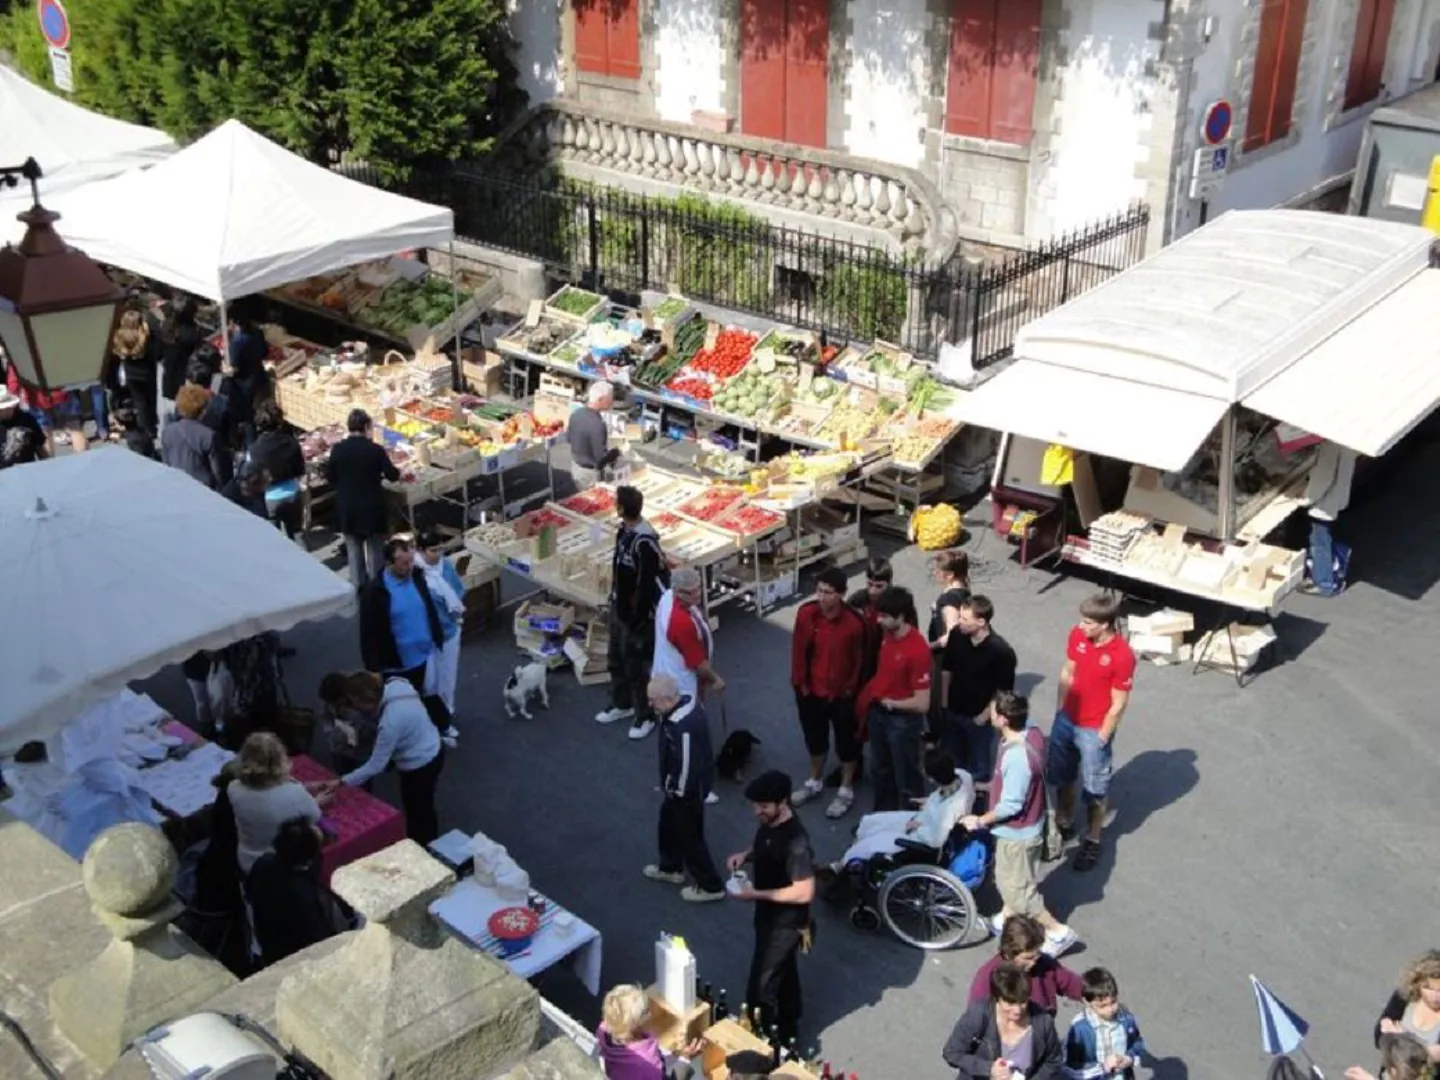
<point x="1145" y="784"/>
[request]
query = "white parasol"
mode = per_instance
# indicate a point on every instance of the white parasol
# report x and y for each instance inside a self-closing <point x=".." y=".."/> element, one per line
<point x="113" y="566"/>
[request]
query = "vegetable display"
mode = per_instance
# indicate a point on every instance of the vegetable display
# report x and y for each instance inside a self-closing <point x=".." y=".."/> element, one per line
<point x="750" y="520"/>
<point x="590" y="503"/>
<point x="729" y="355"/>
<point x="573" y="301"/>
<point x="407" y="304"/>
<point x="670" y="307"/>
<point x="710" y="503"/>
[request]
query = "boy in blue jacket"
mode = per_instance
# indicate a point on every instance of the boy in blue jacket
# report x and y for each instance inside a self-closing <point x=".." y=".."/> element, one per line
<point x="1104" y="1040"/>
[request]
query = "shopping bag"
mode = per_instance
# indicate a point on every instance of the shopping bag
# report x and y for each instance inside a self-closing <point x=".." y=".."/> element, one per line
<point x="1057" y="467"/>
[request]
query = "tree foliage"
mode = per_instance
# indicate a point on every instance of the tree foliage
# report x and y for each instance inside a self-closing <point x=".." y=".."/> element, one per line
<point x="395" y="82"/>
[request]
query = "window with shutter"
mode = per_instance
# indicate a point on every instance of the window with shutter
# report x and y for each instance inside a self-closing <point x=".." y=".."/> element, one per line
<point x="1277" y="67"/>
<point x="1366" y="77"/>
<point x="607" y="37"/>
<point x="785" y="70"/>
<point x="993" y="67"/>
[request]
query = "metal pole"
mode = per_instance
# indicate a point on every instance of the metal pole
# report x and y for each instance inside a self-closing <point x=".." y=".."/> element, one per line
<point x="1226" y="472"/>
<point x="224" y="332"/>
<point x="457" y="379"/>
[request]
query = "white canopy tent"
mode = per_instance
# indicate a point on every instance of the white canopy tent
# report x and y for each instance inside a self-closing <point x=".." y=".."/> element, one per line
<point x="1276" y="310"/>
<point x="73" y="146"/>
<point x="119" y="566"/>
<point x="234" y="214"/>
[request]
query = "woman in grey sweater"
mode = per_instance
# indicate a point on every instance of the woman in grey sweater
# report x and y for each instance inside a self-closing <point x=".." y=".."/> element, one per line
<point x="264" y="797"/>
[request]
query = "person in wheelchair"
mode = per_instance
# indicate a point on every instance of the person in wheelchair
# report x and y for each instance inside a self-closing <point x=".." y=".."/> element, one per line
<point x="931" y="824"/>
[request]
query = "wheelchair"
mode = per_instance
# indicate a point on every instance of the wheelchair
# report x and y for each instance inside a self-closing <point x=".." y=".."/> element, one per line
<point x="920" y="894"/>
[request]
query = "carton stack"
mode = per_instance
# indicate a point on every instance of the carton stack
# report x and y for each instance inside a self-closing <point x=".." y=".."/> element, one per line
<point x="1161" y="637"/>
<point x="590" y="654"/>
<point x="1235" y="649"/>
<point x="540" y="630"/>
<point x="1112" y="536"/>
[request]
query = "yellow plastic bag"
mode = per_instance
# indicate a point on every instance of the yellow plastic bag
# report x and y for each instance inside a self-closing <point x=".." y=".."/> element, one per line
<point x="1057" y="468"/>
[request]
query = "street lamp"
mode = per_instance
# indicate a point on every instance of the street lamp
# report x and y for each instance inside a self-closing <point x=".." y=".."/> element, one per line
<point x="58" y="309"/>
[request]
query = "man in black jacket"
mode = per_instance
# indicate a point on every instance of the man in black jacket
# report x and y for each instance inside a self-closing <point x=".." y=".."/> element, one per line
<point x="639" y="574"/>
<point x="687" y="774"/>
<point x="399" y="622"/>
<point x="357" y="469"/>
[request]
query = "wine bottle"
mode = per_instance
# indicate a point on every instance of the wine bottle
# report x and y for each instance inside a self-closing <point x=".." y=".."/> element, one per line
<point x="791" y="1053"/>
<point x="757" y="1022"/>
<point x="706" y="995"/>
<point x="812" y="1059"/>
<point x="745" y="1021"/>
<point x="722" y="1008"/>
<point x="825" y="1073"/>
<point x="699" y="990"/>
<point x="776" y="1050"/>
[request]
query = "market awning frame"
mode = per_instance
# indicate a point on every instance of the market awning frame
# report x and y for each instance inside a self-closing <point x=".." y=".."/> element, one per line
<point x="1118" y="418"/>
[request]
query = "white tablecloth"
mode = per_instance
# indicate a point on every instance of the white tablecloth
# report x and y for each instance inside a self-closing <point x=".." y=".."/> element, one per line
<point x="467" y="908"/>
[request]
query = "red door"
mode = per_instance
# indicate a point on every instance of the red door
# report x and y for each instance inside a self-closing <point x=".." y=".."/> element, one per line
<point x="784" y="69"/>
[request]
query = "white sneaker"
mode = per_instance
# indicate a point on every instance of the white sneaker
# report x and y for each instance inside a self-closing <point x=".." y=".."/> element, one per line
<point x="643" y="728"/>
<point x="654" y="873"/>
<point x="1058" y="944"/>
<point x="609" y="716"/>
<point x="696" y="895"/>
<point x="712" y="798"/>
<point x="807" y="791"/>
<point x="995" y="923"/>
<point x="840" y="806"/>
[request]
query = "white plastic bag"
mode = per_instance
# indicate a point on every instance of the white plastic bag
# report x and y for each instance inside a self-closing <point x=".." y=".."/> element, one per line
<point x="220" y="689"/>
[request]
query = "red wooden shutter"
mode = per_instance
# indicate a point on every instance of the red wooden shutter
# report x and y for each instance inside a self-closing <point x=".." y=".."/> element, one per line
<point x="590" y="36"/>
<point x="762" y="69"/>
<point x="1366" y="76"/>
<point x="807" y="70"/>
<point x="972" y="58"/>
<point x="1016" y="69"/>
<point x="623" y="38"/>
<point x="1292" y="44"/>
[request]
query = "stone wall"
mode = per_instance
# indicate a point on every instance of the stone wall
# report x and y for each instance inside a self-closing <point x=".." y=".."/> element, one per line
<point x="55" y="931"/>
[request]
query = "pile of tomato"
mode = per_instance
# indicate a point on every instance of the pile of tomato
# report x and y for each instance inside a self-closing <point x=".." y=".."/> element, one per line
<point x="692" y="386"/>
<point x="729" y="355"/>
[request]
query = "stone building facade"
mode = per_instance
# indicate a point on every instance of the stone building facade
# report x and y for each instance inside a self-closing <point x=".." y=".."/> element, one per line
<point x="1027" y="117"/>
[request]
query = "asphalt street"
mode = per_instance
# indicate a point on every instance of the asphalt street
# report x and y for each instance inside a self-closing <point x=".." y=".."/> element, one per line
<point x="1276" y="830"/>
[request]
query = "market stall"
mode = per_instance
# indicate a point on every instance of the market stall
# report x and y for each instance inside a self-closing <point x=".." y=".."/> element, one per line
<point x="234" y="214"/>
<point x="73" y="146"/>
<point x="178" y="567"/>
<point x="694" y="374"/>
<point x="1161" y="426"/>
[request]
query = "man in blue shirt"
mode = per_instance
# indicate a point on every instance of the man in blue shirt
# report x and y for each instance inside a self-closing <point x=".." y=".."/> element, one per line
<point x="400" y="623"/>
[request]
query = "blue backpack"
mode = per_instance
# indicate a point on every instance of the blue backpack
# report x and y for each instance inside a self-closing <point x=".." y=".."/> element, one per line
<point x="970" y="862"/>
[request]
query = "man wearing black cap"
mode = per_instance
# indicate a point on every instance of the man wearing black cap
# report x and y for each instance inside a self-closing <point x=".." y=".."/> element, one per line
<point x="782" y="884"/>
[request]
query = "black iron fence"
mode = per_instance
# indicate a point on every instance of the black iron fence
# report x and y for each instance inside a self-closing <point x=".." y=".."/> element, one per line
<point x="722" y="254"/>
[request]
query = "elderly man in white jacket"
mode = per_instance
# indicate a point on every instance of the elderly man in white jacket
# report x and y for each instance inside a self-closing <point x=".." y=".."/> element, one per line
<point x="448" y="592"/>
<point x="1328" y="493"/>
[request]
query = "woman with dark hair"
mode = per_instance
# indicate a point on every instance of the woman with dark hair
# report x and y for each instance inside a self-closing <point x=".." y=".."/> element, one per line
<point x="293" y="910"/>
<point x="277" y="451"/>
<point x="951" y="570"/>
<point x="248" y="350"/>
<point x="1005" y="1035"/>
<point x="204" y="370"/>
<point x="179" y="338"/>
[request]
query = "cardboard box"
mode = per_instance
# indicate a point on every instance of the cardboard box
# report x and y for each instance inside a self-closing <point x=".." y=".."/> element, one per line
<point x="1165" y="621"/>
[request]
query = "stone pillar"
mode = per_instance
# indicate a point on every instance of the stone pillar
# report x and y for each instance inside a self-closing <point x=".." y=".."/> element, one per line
<point x="151" y="972"/>
<point x="404" y="999"/>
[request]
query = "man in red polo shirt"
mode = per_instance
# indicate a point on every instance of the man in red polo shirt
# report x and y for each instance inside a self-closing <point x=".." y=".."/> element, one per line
<point x="827" y="653"/>
<point x="1095" y="686"/>
<point x="895" y="703"/>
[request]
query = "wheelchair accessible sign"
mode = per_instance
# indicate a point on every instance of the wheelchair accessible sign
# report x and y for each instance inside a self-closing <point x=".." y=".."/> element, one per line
<point x="55" y="28"/>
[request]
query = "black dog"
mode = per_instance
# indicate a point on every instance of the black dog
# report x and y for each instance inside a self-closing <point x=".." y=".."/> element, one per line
<point x="735" y="754"/>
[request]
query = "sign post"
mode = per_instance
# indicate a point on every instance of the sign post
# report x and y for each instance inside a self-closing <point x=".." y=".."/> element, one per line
<point x="55" y="28"/>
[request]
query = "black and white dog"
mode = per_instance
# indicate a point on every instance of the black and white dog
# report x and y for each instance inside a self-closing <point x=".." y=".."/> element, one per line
<point x="525" y="682"/>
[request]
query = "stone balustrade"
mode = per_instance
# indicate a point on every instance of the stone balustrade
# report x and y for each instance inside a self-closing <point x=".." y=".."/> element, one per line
<point x="899" y="203"/>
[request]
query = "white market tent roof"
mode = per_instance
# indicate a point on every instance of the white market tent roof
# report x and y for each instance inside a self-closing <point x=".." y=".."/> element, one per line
<point x="74" y="146"/>
<point x="234" y="214"/>
<point x="129" y="567"/>
<point x="1144" y="365"/>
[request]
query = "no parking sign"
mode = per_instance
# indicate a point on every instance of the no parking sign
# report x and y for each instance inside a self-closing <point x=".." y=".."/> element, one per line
<point x="55" y="28"/>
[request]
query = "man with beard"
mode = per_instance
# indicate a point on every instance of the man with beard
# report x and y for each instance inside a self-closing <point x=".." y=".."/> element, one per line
<point x="781" y="886"/>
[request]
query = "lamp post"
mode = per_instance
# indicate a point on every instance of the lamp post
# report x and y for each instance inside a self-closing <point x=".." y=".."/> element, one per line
<point x="58" y="309"/>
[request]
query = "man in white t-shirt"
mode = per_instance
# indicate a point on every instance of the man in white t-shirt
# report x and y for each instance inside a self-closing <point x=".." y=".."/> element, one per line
<point x="683" y="645"/>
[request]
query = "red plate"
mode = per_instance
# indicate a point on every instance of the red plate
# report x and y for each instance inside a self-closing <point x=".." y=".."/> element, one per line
<point x="514" y="923"/>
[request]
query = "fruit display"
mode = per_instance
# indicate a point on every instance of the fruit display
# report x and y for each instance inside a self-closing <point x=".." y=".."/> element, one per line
<point x="667" y="522"/>
<point x="710" y="504"/>
<point x="727" y="357"/>
<point x="913" y="448"/>
<point x="577" y="303"/>
<point x="848" y="424"/>
<point x="590" y="503"/>
<point x="408" y="428"/>
<point x="754" y="395"/>
<point x="497" y="534"/>
<point x="936" y="527"/>
<point x="536" y="520"/>
<point x="692" y="386"/>
<point x="749" y="520"/>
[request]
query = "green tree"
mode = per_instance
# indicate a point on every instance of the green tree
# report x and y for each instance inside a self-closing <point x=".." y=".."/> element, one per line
<point x="398" y="82"/>
<point x="417" y="82"/>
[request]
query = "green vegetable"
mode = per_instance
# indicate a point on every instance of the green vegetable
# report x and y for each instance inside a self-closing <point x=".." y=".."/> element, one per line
<point x="573" y="301"/>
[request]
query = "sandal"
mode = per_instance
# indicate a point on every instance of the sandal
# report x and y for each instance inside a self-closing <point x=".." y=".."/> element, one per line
<point x="1088" y="856"/>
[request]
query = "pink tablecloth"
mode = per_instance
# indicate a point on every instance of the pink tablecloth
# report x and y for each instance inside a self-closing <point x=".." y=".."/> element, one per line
<point x="360" y="823"/>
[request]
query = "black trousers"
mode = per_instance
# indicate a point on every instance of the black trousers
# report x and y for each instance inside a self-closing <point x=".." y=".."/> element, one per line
<point x="774" y="985"/>
<point x="630" y="653"/>
<point x="417" y="800"/>
<point x="682" y="842"/>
